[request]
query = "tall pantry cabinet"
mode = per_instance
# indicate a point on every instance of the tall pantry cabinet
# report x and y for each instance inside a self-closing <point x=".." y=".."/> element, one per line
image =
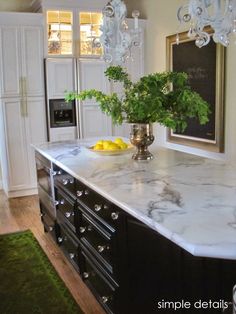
<point x="22" y="102"/>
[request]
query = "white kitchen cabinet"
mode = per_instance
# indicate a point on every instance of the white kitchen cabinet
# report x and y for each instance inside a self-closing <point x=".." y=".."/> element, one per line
<point x="63" y="134"/>
<point x="22" y="112"/>
<point x="60" y="76"/>
<point x="21" y="127"/>
<point x="92" y="121"/>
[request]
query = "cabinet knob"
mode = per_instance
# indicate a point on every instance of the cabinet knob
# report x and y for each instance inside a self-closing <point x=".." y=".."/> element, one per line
<point x="97" y="207"/>
<point x="79" y="193"/>
<point x="72" y="255"/>
<point x="60" y="239"/>
<point x="114" y="216"/>
<point x="62" y="201"/>
<point x="41" y="214"/>
<point x="56" y="203"/>
<point x="65" y="181"/>
<point x="105" y="299"/>
<point x="71" y="180"/>
<point x="69" y="214"/>
<point x="59" y="172"/>
<point x="86" y="192"/>
<point x="54" y="172"/>
<point x="82" y="229"/>
<point x="101" y="248"/>
<point x="85" y="275"/>
<point x="50" y="228"/>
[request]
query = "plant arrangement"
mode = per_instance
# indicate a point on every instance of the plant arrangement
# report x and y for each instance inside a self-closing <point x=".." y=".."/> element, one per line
<point x="165" y="98"/>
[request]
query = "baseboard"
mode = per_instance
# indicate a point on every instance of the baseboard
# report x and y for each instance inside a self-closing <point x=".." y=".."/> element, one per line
<point x="21" y="193"/>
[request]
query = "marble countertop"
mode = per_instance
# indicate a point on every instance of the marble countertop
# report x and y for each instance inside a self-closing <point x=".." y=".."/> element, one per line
<point x="188" y="199"/>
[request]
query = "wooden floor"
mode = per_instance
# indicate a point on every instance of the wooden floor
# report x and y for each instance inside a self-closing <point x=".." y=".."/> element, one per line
<point x="23" y="213"/>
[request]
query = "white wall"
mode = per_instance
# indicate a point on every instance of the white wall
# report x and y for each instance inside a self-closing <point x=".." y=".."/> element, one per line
<point x="162" y="22"/>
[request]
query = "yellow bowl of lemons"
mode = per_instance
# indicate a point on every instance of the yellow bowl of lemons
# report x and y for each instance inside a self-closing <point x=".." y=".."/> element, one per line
<point x="109" y="147"/>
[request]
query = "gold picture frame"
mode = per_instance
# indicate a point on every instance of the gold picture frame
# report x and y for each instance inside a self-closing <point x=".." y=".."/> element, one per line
<point x="210" y="74"/>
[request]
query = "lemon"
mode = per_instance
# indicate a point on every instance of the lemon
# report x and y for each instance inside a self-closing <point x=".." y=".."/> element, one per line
<point x="118" y="141"/>
<point x="100" y="142"/>
<point x="106" y="144"/>
<point x="98" y="147"/>
<point x="123" y="145"/>
<point x="113" y="146"/>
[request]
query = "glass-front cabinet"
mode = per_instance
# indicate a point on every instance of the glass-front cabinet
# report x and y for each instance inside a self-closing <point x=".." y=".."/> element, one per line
<point x="60" y="32"/>
<point x="89" y="24"/>
<point x="73" y="33"/>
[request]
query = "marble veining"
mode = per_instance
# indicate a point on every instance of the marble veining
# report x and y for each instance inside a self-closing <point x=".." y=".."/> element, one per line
<point x="188" y="199"/>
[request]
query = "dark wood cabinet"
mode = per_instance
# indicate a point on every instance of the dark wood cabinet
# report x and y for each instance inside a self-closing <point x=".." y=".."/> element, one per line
<point x="128" y="266"/>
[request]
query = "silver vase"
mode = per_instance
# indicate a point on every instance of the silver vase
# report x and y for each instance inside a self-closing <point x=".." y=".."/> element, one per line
<point x="141" y="136"/>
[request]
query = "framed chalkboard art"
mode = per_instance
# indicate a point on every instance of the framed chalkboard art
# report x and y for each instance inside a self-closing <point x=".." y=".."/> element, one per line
<point x="205" y="69"/>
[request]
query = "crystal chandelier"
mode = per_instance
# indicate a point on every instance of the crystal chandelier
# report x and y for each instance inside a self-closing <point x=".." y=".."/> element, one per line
<point x="219" y="14"/>
<point x="117" y="39"/>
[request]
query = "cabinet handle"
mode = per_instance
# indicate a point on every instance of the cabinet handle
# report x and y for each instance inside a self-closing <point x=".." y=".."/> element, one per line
<point x="69" y="214"/>
<point x="41" y="214"/>
<point x="56" y="203"/>
<point x="59" y="172"/>
<point x="71" y="180"/>
<point x="62" y="201"/>
<point x="105" y="299"/>
<point x="50" y="228"/>
<point x="85" y="275"/>
<point x="114" y="216"/>
<point x="86" y="192"/>
<point x="97" y="207"/>
<point x="71" y="255"/>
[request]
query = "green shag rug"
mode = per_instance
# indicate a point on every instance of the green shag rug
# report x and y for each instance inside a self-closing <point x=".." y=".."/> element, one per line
<point x="28" y="282"/>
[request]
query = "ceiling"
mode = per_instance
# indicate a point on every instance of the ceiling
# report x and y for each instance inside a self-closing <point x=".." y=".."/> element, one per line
<point x="15" y="5"/>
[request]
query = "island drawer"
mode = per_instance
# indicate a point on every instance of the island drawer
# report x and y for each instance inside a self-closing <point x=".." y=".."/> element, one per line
<point x="49" y="223"/>
<point x="101" y="286"/>
<point x="69" y="246"/>
<point x="102" y="209"/>
<point x="97" y="240"/>
<point x="66" y="207"/>
<point x="64" y="180"/>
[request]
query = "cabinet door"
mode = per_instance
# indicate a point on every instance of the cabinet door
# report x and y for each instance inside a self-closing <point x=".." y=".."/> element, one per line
<point x="10" y="60"/>
<point x="32" y="60"/>
<point x="94" y="122"/>
<point x="16" y="162"/>
<point x="36" y="131"/>
<point x="62" y="134"/>
<point x="60" y="76"/>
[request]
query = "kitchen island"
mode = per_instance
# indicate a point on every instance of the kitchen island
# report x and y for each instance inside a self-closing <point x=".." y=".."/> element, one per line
<point x="169" y="225"/>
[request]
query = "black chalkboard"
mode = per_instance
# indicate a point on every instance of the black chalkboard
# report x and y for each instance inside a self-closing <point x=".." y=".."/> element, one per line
<point x="200" y="65"/>
<point x="205" y="69"/>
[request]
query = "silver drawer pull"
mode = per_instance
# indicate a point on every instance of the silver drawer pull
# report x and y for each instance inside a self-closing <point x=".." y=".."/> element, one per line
<point x="101" y="248"/>
<point x="69" y="214"/>
<point x="59" y="172"/>
<point x="65" y="181"/>
<point x="50" y="228"/>
<point x="86" y="192"/>
<point x="85" y="275"/>
<point x="62" y="201"/>
<point x="82" y="229"/>
<point x="105" y="299"/>
<point x="79" y="193"/>
<point x="72" y="255"/>
<point x="71" y="180"/>
<point x="114" y="216"/>
<point x="97" y="207"/>
<point x="60" y="240"/>
<point x="41" y="214"/>
<point x="56" y="203"/>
